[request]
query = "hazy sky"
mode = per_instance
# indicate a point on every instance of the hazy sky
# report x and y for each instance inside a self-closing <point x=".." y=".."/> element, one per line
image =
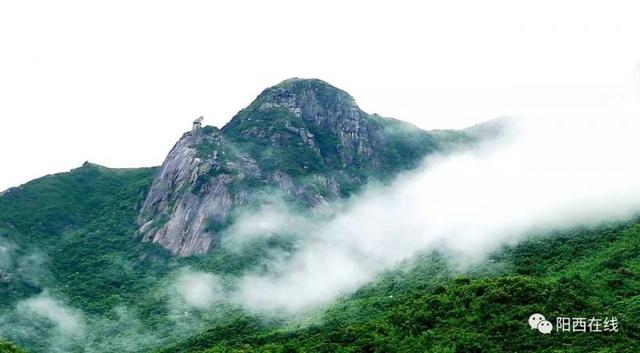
<point x="117" y="82"/>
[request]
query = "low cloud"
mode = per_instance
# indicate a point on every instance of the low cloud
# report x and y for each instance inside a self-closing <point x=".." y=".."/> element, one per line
<point x="68" y="320"/>
<point x="274" y="217"/>
<point x="563" y="169"/>
<point x="6" y="255"/>
<point x="52" y="326"/>
<point x="198" y="290"/>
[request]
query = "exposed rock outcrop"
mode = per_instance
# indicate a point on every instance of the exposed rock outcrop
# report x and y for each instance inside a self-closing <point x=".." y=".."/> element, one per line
<point x="179" y="203"/>
<point x="11" y="191"/>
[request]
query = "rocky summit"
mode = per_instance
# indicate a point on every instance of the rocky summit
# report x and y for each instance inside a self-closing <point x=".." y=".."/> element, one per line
<point x="303" y="138"/>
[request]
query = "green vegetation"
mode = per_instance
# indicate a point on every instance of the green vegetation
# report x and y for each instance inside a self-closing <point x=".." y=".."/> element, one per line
<point x="81" y="226"/>
<point x="271" y="137"/>
<point x="6" y="347"/>
<point x="405" y="145"/>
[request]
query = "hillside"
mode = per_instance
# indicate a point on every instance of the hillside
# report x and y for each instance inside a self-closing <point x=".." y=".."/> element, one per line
<point x="126" y="260"/>
<point x="429" y="307"/>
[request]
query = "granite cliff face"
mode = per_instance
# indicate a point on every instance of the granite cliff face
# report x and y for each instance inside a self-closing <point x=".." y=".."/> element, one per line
<point x="174" y="214"/>
<point x="303" y="138"/>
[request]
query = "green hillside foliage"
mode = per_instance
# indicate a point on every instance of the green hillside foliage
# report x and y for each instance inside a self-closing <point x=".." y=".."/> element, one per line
<point x="6" y="347"/>
<point x="79" y="228"/>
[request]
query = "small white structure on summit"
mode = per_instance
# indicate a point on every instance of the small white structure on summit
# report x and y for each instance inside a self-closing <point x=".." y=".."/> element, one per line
<point x="197" y="124"/>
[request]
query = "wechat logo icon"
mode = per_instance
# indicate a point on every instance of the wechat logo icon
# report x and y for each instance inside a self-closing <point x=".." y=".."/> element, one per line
<point x="538" y="321"/>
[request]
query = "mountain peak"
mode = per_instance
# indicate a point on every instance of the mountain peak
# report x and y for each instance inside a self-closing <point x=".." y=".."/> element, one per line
<point x="296" y="94"/>
<point x="299" y="84"/>
<point x="305" y="117"/>
<point x="296" y="102"/>
<point x="302" y="137"/>
<point x="298" y="80"/>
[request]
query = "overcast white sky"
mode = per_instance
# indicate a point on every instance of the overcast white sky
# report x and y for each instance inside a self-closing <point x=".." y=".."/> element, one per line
<point x="118" y="82"/>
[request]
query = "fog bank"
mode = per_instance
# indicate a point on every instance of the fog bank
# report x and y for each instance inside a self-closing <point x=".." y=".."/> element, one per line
<point x="560" y="169"/>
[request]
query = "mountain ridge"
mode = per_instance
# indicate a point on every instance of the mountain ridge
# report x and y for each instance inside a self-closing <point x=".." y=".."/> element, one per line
<point x="303" y="138"/>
